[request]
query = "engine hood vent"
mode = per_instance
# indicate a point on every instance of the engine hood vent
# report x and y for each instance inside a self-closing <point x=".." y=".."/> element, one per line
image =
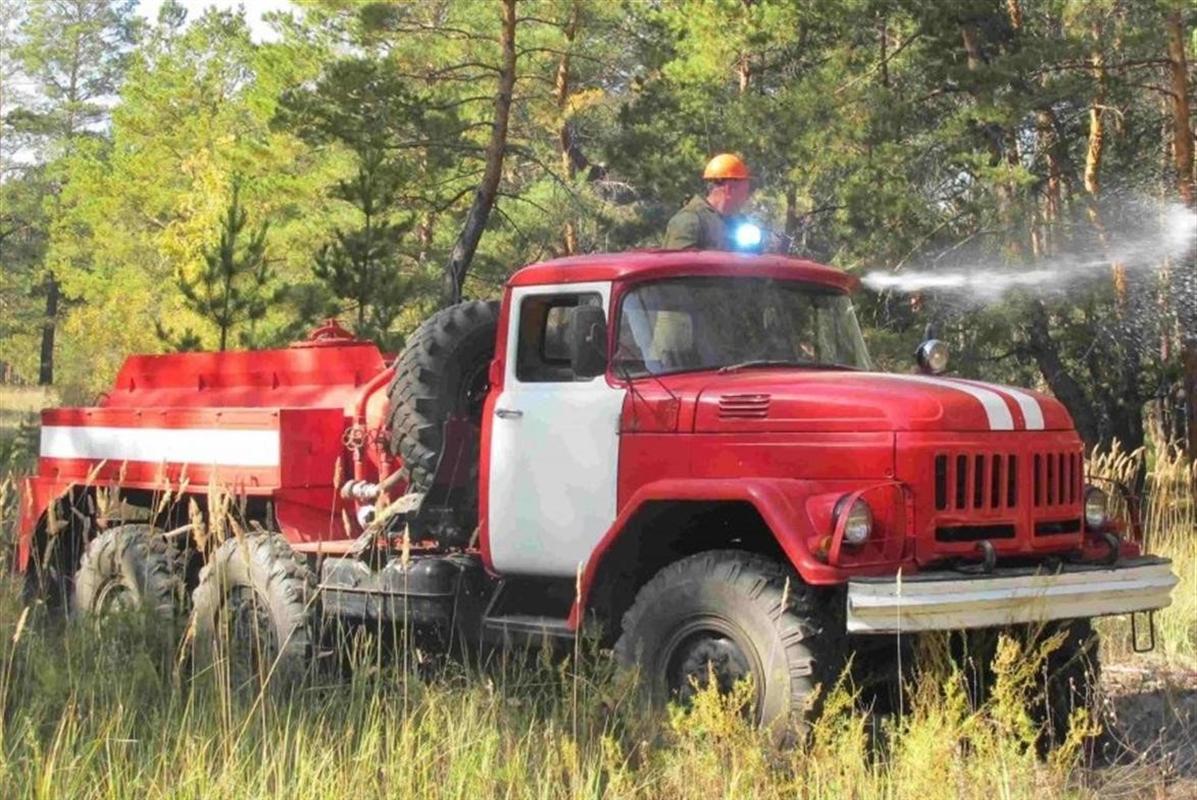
<point x="744" y="406"/>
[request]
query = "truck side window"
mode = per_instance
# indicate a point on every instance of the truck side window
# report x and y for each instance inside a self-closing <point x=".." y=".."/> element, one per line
<point x="542" y="353"/>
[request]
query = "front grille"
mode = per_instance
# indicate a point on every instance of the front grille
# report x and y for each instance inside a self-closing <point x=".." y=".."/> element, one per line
<point x="1058" y="479"/>
<point x="990" y="481"/>
<point x="976" y="482"/>
<point x="1021" y="493"/>
<point x="1058" y="527"/>
<point x="973" y="533"/>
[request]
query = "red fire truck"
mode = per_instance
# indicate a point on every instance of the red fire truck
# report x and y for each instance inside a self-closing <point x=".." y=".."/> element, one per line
<point x="689" y="453"/>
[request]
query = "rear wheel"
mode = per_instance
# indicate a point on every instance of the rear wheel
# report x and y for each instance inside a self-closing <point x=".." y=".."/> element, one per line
<point x="253" y="614"/>
<point x="731" y="616"/>
<point x="128" y="568"/>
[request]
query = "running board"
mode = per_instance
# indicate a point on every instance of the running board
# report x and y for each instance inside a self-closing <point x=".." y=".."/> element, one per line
<point x="527" y="626"/>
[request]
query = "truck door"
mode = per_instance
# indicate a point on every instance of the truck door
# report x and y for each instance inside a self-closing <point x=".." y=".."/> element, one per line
<point x="554" y="441"/>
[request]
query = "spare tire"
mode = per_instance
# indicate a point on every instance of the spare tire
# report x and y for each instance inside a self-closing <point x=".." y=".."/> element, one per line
<point x="442" y="372"/>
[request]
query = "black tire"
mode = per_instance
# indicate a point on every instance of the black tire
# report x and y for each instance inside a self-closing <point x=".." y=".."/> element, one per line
<point x="1068" y="677"/>
<point x="779" y="626"/>
<point x="127" y="568"/>
<point x="441" y="372"/>
<point x="1070" y="680"/>
<point x="253" y="615"/>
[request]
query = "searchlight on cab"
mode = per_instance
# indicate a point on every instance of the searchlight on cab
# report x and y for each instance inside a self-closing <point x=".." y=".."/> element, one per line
<point x="747" y="237"/>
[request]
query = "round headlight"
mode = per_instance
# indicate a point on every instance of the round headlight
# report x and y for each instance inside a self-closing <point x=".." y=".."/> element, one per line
<point x="1096" y="508"/>
<point x="858" y="525"/>
<point x="932" y="356"/>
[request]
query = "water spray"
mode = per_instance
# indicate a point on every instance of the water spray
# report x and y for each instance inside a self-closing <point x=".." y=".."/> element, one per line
<point x="1142" y="237"/>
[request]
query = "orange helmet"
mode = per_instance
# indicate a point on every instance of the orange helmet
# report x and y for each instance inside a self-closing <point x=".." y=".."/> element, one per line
<point x="726" y="167"/>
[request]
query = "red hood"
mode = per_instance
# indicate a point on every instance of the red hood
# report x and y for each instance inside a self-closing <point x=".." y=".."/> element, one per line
<point x="807" y="400"/>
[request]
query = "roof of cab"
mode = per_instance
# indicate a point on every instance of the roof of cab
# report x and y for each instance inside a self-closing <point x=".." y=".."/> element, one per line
<point x="649" y="264"/>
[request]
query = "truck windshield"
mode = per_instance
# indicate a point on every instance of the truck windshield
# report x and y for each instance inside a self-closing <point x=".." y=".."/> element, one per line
<point x="689" y="324"/>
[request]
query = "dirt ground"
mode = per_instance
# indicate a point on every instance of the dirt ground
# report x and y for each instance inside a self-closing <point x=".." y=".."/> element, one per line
<point x="1150" y="734"/>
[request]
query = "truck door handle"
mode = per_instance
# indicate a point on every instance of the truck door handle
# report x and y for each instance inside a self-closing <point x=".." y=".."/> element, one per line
<point x="508" y="413"/>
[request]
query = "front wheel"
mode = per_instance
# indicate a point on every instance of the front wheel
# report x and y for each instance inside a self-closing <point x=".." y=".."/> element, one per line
<point x="731" y="616"/>
<point x="1067" y="679"/>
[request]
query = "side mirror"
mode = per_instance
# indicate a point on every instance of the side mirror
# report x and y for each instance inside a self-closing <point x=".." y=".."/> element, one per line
<point x="932" y="357"/>
<point x="588" y="341"/>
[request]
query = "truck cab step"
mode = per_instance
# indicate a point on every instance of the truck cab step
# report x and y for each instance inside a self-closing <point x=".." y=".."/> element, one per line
<point x="528" y="626"/>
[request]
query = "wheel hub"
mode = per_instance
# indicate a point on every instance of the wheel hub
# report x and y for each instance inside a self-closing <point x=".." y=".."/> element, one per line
<point x="114" y="597"/>
<point x="703" y="653"/>
<point x="474" y="387"/>
<point x="252" y="641"/>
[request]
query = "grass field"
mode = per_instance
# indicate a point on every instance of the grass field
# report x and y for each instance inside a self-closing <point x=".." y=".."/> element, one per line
<point x="113" y="713"/>
<point x="19" y="406"/>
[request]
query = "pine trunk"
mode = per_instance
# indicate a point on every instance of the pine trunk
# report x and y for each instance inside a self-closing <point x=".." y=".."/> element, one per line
<point x="1094" y="154"/>
<point x="488" y="188"/>
<point x="561" y="89"/>
<point x="45" y="374"/>
<point x="1182" y="134"/>
<point x="1063" y="385"/>
<point x="1182" y="154"/>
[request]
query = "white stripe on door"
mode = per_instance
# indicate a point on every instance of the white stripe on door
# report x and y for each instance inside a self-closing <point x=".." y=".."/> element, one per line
<point x="220" y="446"/>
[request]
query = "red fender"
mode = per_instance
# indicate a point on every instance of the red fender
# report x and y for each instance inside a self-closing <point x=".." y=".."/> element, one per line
<point x="37" y="493"/>
<point x="798" y="513"/>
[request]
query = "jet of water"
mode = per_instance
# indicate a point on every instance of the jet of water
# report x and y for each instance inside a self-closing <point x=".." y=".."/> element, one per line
<point x="1139" y="236"/>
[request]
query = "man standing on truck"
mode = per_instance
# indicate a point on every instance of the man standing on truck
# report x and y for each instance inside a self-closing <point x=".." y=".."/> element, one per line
<point x="703" y="223"/>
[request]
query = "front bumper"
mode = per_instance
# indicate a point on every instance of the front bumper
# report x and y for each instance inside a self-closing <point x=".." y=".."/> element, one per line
<point x="935" y="601"/>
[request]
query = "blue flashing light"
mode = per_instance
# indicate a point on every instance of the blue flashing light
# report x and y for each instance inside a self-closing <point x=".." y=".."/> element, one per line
<point x="747" y="237"/>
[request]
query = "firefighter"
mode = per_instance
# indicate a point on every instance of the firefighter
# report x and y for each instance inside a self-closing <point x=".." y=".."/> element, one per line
<point x="703" y="223"/>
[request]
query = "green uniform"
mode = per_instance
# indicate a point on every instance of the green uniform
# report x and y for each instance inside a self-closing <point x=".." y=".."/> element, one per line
<point x="698" y="226"/>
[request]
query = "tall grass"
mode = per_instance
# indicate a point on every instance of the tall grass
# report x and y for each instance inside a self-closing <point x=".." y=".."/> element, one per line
<point x="113" y="713"/>
<point x="109" y="714"/>
<point x="19" y="406"/>
<point x="1170" y="529"/>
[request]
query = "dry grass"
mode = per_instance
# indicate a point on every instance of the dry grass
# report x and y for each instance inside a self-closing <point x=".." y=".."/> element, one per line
<point x="19" y="403"/>
<point x="1170" y="526"/>
<point x="113" y="714"/>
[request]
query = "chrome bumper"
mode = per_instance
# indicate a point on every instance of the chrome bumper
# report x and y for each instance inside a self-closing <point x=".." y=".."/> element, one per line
<point x="935" y="601"/>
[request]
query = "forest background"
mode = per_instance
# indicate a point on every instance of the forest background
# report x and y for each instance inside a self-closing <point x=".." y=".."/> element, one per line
<point x="179" y="183"/>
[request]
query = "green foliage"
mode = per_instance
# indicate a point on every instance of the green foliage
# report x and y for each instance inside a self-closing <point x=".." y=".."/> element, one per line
<point x="23" y="232"/>
<point x="395" y="140"/>
<point x="883" y="134"/>
<point x="75" y="51"/>
<point x="230" y="289"/>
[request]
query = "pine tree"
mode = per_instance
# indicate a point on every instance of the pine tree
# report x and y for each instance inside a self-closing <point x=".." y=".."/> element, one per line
<point x="232" y="286"/>
<point x="74" y="52"/>
<point x="393" y="136"/>
<point x="361" y="264"/>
